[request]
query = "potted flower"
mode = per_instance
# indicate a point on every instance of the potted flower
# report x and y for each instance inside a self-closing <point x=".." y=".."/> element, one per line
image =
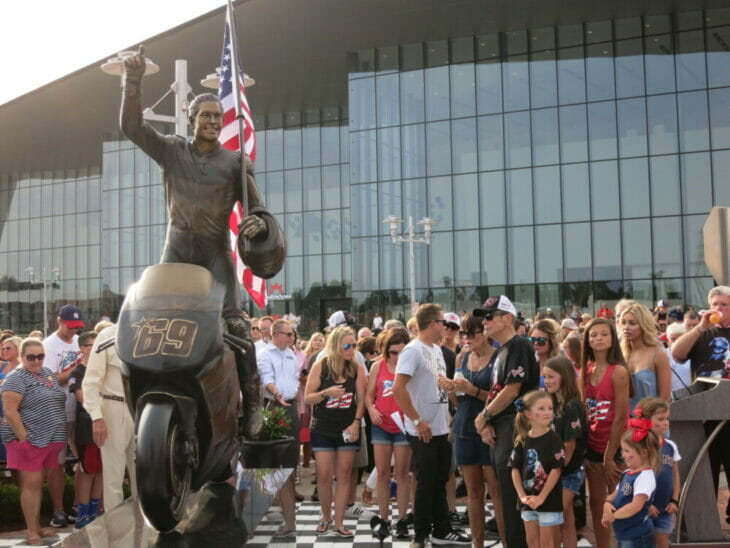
<point x="268" y="448"/>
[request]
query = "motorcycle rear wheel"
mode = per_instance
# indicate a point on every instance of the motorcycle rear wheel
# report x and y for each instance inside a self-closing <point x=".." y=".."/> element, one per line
<point x="163" y="474"/>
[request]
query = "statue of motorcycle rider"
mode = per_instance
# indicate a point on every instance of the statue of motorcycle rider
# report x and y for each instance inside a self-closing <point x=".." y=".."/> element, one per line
<point x="202" y="182"/>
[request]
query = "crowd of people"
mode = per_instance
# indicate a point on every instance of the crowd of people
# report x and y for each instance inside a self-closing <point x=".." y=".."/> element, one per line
<point x="532" y="414"/>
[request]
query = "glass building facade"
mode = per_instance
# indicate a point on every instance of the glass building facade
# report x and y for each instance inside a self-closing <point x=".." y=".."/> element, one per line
<point x="564" y="166"/>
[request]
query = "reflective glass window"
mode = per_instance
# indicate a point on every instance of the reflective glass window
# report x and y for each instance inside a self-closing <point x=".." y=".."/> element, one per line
<point x="312" y="232"/>
<point x="690" y="60"/>
<point x="364" y="157"/>
<point x="606" y="238"/>
<point x="667" y="247"/>
<point x="571" y="76"/>
<point x="718" y="56"/>
<point x="311" y="146"/>
<point x="599" y="72"/>
<point x="720" y="169"/>
<point x="464" y="145"/>
<point x="665" y="193"/>
<point x="392" y="264"/>
<point x="570" y="35"/>
<point x="519" y="197"/>
<point x="438" y="148"/>
<point x="466" y="258"/>
<point x="693" y="124"/>
<point x="627" y="27"/>
<point x="437" y="93"/>
<point x="602" y="130"/>
<point x="294" y="270"/>
<point x="696" y="182"/>
<point x="387" y="93"/>
<point x="576" y="192"/>
<point x="516" y="83"/>
<point x="415" y="202"/>
<point x="274" y="149"/>
<point x="636" y="248"/>
<point x="333" y="269"/>
<point x="312" y="188"/>
<point x="604" y="190"/>
<point x="330" y="136"/>
<point x="292" y="148"/>
<point x="545" y="142"/>
<point x="543" y="79"/>
<point x="293" y="190"/>
<point x="662" y="120"/>
<point x="491" y="142"/>
<point x="294" y="233"/>
<point x="573" y="134"/>
<point x="632" y="139"/>
<point x="694" y="248"/>
<point x="412" y="101"/>
<point x="491" y="199"/>
<point x="659" y="64"/>
<point x="549" y="253"/>
<point x="332" y="231"/>
<point x="463" y="90"/>
<point x="389" y="153"/>
<point x="466" y="203"/>
<point x="440" y="206"/>
<point x="275" y="191"/>
<point x="361" y="103"/>
<point x="634" y="175"/>
<point x="517" y="139"/>
<point x="365" y="215"/>
<point x="313" y="271"/>
<point x="365" y="263"/>
<point x="577" y="246"/>
<point x="516" y="42"/>
<point x="546" y="182"/>
<point x="629" y="64"/>
<point x="413" y="150"/>
<point x="520" y="242"/>
<point x="489" y="87"/>
<point x="720" y="117"/>
<point x="442" y="272"/>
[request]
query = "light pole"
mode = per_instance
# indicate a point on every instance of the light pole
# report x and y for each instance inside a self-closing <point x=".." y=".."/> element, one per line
<point x="56" y="276"/>
<point x="409" y="237"/>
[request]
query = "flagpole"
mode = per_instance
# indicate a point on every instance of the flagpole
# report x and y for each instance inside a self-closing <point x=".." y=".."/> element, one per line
<point x="237" y="105"/>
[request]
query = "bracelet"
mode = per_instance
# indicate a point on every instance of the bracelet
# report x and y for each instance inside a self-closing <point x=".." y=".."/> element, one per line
<point x="675" y="501"/>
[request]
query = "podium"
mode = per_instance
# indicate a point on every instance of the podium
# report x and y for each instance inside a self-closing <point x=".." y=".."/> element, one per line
<point x="706" y="399"/>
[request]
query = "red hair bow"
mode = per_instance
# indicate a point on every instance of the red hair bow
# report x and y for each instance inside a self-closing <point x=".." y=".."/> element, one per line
<point x="638" y="412"/>
<point x="640" y="427"/>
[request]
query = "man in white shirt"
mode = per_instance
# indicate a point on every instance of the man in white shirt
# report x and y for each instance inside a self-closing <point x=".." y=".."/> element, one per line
<point x="280" y="379"/>
<point x="420" y="390"/>
<point x="62" y="355"/>
<point x="264" y="333"/>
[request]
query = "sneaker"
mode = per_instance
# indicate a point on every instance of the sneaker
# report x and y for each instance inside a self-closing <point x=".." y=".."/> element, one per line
<point x="491" y="525"/>
<point x="59" y="519"/>
<point x="72" y="515"/>
<point x="452" y="537"/>
<point x="384" y="529"/>
<point x="355" y="511"/>
<point x="401" y="529"/>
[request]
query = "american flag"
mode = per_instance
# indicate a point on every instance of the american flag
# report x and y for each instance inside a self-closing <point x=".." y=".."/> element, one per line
<point x="229" y="138"/>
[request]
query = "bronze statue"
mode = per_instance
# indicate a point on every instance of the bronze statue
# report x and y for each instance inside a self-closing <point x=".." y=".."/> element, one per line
<point x="202" y="182"/>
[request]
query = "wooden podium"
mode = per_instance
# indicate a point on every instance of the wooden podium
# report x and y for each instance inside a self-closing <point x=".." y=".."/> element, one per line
<point x="706" y="399"/>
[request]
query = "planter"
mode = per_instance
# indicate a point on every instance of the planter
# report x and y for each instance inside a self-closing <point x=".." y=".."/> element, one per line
<point x="265" y="454"/>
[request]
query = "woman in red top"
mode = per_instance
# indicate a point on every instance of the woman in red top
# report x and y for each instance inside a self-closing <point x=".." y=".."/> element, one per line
<point x="606" y="388"/>
<point x="387" y="437"/>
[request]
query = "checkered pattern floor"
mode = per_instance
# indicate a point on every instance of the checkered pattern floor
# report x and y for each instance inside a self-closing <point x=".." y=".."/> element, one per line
<point x="308" y="515"/>
<point x="19" y="540"/>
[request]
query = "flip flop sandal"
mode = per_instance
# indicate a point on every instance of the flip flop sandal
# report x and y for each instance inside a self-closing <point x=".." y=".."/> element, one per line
<point x="344" y="532"/>
<point x="323" y="527"/>
<point x="283" y="532"/>
<point x="35" y="541"/>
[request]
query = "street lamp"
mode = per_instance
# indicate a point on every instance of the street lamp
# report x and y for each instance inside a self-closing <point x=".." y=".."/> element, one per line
<point x="409" y="237"/>
<point x="212" y="81"/>
<point x="56" y="276"/>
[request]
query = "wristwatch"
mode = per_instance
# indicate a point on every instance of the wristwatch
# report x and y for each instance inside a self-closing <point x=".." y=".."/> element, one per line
<point x="416" y="422"/>
<point x="486" y="415"/>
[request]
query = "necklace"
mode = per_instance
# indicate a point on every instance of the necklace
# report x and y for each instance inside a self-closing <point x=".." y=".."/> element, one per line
<point x="48" y="383"/>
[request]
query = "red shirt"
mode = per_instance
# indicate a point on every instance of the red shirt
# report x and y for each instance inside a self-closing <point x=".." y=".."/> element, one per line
<point x="384" y="399"/>
<point x="601" y="408"/>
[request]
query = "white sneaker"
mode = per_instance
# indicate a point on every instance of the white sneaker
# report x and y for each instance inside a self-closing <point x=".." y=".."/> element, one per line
<point x="356" y="511"/>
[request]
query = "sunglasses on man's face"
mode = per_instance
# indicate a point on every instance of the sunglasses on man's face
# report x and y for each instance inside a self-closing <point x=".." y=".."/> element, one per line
<point x="287" y="333"/>
<point x="538" y="341"/>
<point x="442" y="322"/>
<point x="34" y="357"/>
<point x="489" y="316"/>
<point x="348" y="346"/>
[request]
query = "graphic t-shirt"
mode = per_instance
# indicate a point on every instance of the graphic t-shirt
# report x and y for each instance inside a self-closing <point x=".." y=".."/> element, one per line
<point x="630" y="485"/>
<point x="710" y="355"/>
<point x="385" y="400"/>
<point x="61" y="355"/>
<point x="513" y="362"/>
<point x="536" y="458"/>
<point x="668" y="455"/>
<point x="332" y="415"/>
<point x="571" y="425"/>
<point x="424" y="364"/>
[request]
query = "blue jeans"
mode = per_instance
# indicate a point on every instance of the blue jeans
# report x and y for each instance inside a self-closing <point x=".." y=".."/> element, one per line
<point x="645" y="541"/>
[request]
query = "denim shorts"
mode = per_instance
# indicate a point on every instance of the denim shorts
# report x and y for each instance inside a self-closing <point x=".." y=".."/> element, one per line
<point x="321" y="442"/>
<point x="381" y="437"/>
<point x="664" y="523"/>
<point x="573" y="481"/>
<point x="647" y="540"/>
<point x="470" y="451"/>
<point x="544" y="519"/>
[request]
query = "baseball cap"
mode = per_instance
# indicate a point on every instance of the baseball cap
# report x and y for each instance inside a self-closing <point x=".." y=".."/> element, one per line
<point x="568" y="323"/>
<point x="494" y="304"/>
<point x="71" y="315"/>
<point x="452" y="318"/>
<point x="662" y="302"/>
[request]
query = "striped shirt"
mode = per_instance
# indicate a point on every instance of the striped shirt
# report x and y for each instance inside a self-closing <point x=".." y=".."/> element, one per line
<point x="42" y="409"/>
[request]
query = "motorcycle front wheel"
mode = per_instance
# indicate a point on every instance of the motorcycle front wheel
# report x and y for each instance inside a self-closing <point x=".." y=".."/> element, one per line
<point x="163" y="472"/>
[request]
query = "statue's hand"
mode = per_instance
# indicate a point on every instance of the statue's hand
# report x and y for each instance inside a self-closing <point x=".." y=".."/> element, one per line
<point x="135" y="65"/>
<point x="252" y="226"/>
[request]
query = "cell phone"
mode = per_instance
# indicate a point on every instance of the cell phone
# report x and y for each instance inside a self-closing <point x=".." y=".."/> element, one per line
<point x="346" y="436"/>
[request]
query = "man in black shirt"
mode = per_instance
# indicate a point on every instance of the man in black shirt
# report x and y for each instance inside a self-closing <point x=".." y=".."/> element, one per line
<point x="515" y="373"/>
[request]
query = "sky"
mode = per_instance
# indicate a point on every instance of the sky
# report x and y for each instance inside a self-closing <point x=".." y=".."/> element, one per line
<point x="44" y="40"/>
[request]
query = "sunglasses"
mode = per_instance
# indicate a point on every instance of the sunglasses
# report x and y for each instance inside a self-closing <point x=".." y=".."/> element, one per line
<point x="442" y="322"/>
<point x="452" y="327"/>
<point x="538" y="341"/>
<point x="347" y="346"/>
<point x="470" y="334"/>
<point x="393" y="352"/>
<point x="287" y="333"/>
<point x="34" y="357"/>
<point x="489" y="316"/>
<point x="255" y="329"/>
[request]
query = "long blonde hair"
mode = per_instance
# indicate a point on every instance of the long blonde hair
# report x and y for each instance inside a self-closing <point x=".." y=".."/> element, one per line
<point x="646" y="322"/>
<point x="522" y="425"/>
<point x="335" y="365"/>
<point x="309" y="350"/>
